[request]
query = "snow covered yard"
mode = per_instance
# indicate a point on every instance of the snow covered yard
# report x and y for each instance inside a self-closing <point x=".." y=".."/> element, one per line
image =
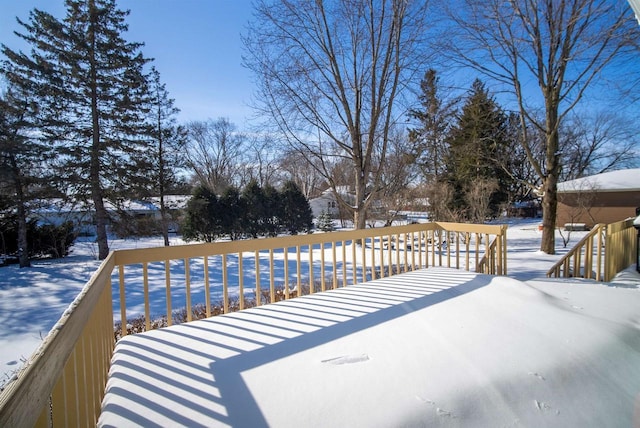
<point x="32" y="300"/>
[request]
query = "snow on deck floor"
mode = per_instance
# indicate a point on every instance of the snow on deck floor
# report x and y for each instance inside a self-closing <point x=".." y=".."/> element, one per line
<point x="434" y="347"/>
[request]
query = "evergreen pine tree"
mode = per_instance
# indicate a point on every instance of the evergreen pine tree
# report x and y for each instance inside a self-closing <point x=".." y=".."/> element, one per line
<point x="232" y="212"/>
<point x="92" y="95"/>
<point x="476" y="142"/>
<point x="255" y="209"/>
<point x="434" y="119"/>
<point x="296" y="212"/>
<point x="166" y="147"/>
<point x="325" y="222"/>
<point x="273" y="210"/>
<point x="201" y="220"/>
<point x="22" y="157"/>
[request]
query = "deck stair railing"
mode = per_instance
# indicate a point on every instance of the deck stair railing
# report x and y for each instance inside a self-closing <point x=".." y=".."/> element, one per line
<point x="601" y="254"/>
<point x="63" y="383"/>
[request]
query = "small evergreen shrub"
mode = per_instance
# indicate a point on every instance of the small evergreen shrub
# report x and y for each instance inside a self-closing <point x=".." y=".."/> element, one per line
<point x="325" y="222"/>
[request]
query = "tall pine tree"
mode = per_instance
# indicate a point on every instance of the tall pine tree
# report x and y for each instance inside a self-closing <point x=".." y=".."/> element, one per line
<point x="166" y="151"/>
<point x="434" y="118"/>
<point x="22" y="158"/>
<point x="92" y="93"/>
<point x="477" y="142"/>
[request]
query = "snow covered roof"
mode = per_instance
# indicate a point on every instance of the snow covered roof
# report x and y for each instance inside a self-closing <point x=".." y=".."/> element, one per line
<point x="624" y="180"/>
<point x="57" y="205"/>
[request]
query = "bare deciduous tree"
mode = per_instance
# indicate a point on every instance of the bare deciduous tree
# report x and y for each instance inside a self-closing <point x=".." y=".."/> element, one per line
<point x="599" y="143"/>
<point x="439" y="195"/>
<point x="215" y="151"/>
<point x="562" y="47"/>
<point x="263" y="162"/>
<point x="478" y="196"/>
<point x="330" y="74"/>
<point x="398" y="173"/>
<point x="297" y="169"/>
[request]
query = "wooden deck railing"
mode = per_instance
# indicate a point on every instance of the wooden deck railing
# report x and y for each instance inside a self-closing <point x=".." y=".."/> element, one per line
<point x="620" y="247"/>
<point x="601" y="254"/>
<point x="63" y="382"/>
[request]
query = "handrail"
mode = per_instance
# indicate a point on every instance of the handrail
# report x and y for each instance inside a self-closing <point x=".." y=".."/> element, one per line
<point x="612" y="251"/>
<point x="494" y="261"/>
<point x="63" y="382"/>
<point x="621" y="247"/>
<point x="582" y="257"/>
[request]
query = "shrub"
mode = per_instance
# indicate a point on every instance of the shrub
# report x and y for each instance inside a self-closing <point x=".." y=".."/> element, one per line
<point x="325" y="222"/>
<point x="45" y="240"/>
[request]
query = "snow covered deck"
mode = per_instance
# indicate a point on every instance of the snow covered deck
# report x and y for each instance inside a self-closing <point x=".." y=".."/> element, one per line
<point x="432" y="347"/>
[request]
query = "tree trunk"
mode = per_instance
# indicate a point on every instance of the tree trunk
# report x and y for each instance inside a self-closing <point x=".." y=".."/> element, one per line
<point x="164" y="221"/>
<point x="23" y="243"/>
<point x="550" y="183"/>
<point x="102" y="217"/>
<point x="549" y="209"/>
<point x="360" y="209"/>
<point x="360" y="219"/>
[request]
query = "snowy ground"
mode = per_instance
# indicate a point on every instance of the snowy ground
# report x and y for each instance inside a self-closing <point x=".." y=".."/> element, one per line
<point x="434" y="347"/>
<point x="31" y="300"/>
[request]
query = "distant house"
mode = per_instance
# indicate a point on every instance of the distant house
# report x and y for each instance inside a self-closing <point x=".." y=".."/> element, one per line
<point x="326" y="202"/>
<point x="525" y="209"/>
<point x="57" y="211"/>
<point x="602" y="198"/>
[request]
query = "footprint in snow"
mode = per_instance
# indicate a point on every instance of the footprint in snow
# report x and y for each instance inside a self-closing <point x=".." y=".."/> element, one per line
<point x="347" y="359"/>
<point x="539" y="376"/>
<point x="544" y="407"/>
<point x="441" y="412"/>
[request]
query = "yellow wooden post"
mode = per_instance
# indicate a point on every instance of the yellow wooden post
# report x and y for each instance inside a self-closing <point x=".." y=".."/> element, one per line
<point x="187" y="288"/>
<point x="272" y="279"/>
<point x="167" y="279"/>
<point x="311" y="279"/>
<point x="225" y="285"/>
<point x="258" y="291"/>
<point x="207" y="287"/>
<point x="241" y="280"/>
<point x="123" y="303"/>
<point x="145" y="285"/>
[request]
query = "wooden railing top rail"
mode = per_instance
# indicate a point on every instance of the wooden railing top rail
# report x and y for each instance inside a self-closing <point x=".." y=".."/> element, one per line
<point x="620" y="225"/>
<point x="147" y="255"/>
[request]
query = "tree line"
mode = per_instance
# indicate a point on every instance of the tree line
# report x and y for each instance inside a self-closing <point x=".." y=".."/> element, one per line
<point x="255" y="211"/>
<point x="351" y="100"/>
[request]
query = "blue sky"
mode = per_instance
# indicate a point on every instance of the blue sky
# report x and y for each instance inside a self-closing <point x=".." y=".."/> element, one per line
<point x="196" y="45"/>
<point x="197" y="49"/>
